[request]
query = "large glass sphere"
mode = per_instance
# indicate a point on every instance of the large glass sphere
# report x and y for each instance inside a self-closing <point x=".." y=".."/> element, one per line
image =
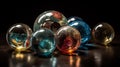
<point x="50" y="19"/>
<point x="103" y="33"/>
<point x="68" y="39"/>
<point x="18" y="36"/>
<point x="43" y="42"/>
<point x="82" y="27"/>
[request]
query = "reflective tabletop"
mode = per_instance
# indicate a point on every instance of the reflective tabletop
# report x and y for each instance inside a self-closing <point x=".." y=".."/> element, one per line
<point x="95" y="56"/>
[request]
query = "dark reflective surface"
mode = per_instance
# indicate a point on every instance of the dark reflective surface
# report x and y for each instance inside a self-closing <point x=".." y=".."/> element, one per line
<point x="99" y="56"/>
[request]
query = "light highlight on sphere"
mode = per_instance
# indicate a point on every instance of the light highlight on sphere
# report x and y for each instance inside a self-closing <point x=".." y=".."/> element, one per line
<point x="82" y="27"/>
<point x="68" y="39"/>
<point x="103" y="33"/>
<point x="43" y="42"/>
<point x="50" y="19"/>
<point x="18" y="37"/>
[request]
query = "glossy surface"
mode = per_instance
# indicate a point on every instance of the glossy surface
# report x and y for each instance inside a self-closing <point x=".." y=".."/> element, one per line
<point x="103" y="33"/>
<point x="43" y="42"/>
<point x="50" y="19"/>
<point x="82" y="27"/>
<point x="68" y="39"/>
<point x="20" y="59"/>
<point x="98" y="56"/>
<point x="18" y="36"/>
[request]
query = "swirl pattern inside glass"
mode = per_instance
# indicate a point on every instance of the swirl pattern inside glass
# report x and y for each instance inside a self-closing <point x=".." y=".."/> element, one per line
<point x="18" y="36"/>
<point x="43" y="42"/>
<point x="68" y="39"/>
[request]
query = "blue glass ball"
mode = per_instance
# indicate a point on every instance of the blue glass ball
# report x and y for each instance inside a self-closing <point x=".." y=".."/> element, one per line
<point x="18" y="37"/>
<point x="43" y="42"/>
<point x="82" y="27"/>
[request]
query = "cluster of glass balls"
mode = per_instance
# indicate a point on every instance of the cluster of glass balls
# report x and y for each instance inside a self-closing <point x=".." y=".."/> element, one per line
<point x="52" y="30"/>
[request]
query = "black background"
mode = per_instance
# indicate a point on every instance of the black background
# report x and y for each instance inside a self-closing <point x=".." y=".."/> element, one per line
<point x="27" y="12"/>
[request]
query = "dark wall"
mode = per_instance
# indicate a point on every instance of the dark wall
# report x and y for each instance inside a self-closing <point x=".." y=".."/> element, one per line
<point x="19" y="12"/>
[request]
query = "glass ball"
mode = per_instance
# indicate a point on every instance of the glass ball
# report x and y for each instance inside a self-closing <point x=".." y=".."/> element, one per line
<point x="103" y="33"/>
<point x="18" y="37"/>
<point x="68" y="39"/>
<point x="82" y="27"/>
<point x="50" y="19"/>
<point x="43" y="42"/>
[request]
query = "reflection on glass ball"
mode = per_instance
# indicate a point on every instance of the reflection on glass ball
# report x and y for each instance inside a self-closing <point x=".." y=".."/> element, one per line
<point x="18" y="36"/>
<point x="103" y="33"/>
<point x="43" y="42"/>
<point x="50" y="19"/>
<point x="82" y="27"/>
<point x="68" y="39"/>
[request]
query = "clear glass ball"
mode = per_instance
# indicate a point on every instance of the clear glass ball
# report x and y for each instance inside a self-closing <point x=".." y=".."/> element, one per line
<point x="50" y="19"/>
<point x="103" y="33"/>
<point x="43" y="42"/>
<point x="18" y="37"/>
<point x="82" y="27"/>
<point x="68" y="39"/>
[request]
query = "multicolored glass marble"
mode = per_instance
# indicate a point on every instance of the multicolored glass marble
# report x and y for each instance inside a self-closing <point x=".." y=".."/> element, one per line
<point x="68" y="39"/>
<point x="18" y="37"/>
<point x="82" y="27"/>
<point x="103" y="33"/>
<point x="43" y="42"/>
<point x="50" y="19"/>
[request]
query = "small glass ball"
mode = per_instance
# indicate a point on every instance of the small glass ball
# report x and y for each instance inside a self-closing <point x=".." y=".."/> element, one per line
<point x="82" y="27"/>
<point x="18" y="37"/>
<point x="50" y="19"/>
<point x="103" y="33"/>
<point x="68" y="39"/>
<point x="43" y="42"/>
